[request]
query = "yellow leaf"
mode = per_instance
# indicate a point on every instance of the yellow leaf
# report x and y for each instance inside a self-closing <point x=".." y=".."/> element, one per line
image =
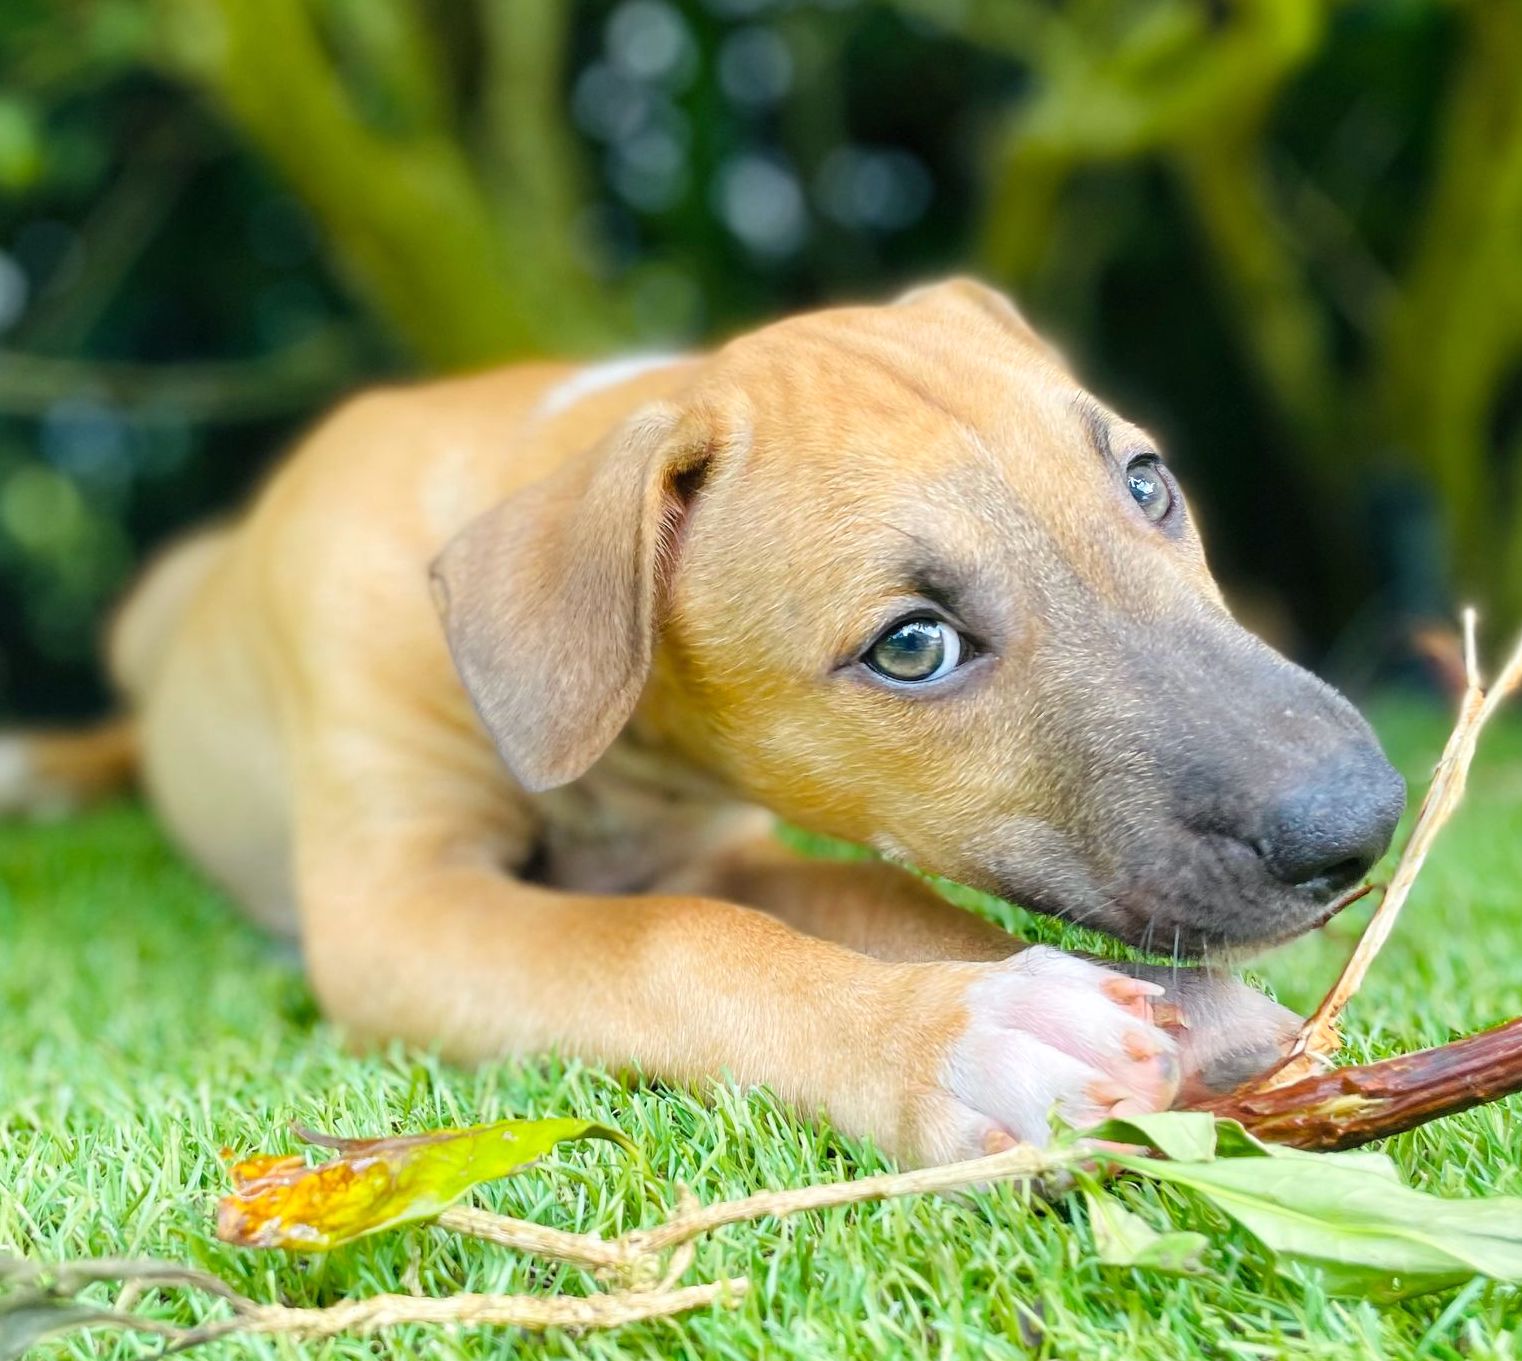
<point x="278" y="1201"/>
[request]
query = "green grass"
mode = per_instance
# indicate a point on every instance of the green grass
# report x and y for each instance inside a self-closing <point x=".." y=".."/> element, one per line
<point x="143" y="1026"/>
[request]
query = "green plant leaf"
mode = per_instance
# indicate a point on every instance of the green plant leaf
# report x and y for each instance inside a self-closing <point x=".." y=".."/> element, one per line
<point x="278" y="1201"/>
<point x="1348" y="1214"/>
<point x="1369" y="1234"/>
<point x="1185" y="1136"/>
<point x="1125" y="1239"/>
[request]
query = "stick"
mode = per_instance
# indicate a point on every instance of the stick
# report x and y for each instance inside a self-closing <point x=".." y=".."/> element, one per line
<point x="523" y="1235"/>
<point x="535" y="1312"/>
<point x="1351" y="1106"/>
<point x="45" y="1285"/>
<point x="1318" y="1037"/>
<point x="639" y="1246"/>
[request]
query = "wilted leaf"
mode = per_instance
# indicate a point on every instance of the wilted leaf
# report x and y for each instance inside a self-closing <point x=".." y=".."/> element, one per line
<point x="281" y="1202"/>
<point x="1126" y="1239"/>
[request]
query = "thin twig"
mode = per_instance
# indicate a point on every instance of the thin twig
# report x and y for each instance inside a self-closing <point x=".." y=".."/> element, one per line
<point x="523" y="1235"/>
<point x="535" y="1312"/>
<point x="48" y="1283"/>
<point x="1023" y="1162"/>
<point x="642" y="1251"/>
<point x="1318" y="1037"/>
<point x="641" y="1246"/>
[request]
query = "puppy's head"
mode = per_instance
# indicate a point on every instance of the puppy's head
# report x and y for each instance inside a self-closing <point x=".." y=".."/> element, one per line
<point x="891" y="572"/>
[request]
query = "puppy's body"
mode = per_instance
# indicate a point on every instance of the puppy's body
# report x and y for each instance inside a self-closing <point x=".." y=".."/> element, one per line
<point x="312" y="640"/>
<point x="656" y="580"/>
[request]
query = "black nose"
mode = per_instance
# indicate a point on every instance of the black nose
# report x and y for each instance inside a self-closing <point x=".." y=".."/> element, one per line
<point x="1326" y="834"/>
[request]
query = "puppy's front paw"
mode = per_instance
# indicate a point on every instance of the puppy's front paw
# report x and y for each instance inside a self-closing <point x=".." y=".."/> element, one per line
<point x="1038" y="1033"/>
<point x="1226" y="1031"/>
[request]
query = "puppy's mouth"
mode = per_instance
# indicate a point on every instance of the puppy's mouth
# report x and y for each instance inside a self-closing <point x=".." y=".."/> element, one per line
<point x="1204" y="860"/>
<point x="1210" y="898"/>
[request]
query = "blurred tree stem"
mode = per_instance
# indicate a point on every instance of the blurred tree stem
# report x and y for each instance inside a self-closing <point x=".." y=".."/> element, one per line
<point x="1453" y="339"/>
<point x="1196" y="95"/>
<point x="118" y="230"/>
<point x="1285" y="330"/>
<point x="451" y="267"/>
<point x="532" y="165"/>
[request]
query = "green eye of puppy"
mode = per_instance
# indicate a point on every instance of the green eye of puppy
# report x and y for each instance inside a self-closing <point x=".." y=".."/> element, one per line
<point x="1149" y="488"/>
<point x="916" y="650"/>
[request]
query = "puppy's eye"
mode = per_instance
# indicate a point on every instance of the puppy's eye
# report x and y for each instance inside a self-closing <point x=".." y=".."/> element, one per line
<point x="1149" y="487"/>
<point x="916" y="650"/>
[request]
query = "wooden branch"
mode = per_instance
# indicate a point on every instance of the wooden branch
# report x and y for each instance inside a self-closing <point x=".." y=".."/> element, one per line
<point x="49" y="1284"/>
<point x="523" y="1235"/>
<point x="1356" y="1105"/>
<point x="1020" y="1162"/>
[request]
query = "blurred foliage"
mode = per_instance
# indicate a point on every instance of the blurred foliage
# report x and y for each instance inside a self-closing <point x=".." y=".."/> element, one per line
<point x="1283" y="233"/>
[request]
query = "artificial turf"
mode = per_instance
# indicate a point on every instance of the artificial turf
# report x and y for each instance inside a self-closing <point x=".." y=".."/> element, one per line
<point x="144" y="1026"/>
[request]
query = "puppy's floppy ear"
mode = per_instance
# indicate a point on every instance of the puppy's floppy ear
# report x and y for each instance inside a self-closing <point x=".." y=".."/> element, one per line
<point x="551" y="600"/>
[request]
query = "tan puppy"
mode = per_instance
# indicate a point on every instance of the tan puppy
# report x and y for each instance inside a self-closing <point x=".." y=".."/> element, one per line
<point x="887" y="572"/>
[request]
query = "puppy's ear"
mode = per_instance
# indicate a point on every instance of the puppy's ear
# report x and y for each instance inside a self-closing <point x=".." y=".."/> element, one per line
<point x="551" y="601"/>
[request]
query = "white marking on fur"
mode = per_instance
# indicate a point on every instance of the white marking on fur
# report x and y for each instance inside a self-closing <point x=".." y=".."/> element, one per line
<point x="596" y="377"/>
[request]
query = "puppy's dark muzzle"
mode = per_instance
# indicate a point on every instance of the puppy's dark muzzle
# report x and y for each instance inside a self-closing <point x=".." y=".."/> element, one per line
<point x="1279" y="795"/>
<point x="1326" y="833"/>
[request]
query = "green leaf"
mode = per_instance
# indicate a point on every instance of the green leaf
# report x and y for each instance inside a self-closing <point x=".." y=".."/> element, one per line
<point x="1348" y="1214"/>
<point x="1127" y="1240"/>
<point x="279" y="1201"/>
<point x="1186" y="1136"/>
<point x="1369" y="1234"/>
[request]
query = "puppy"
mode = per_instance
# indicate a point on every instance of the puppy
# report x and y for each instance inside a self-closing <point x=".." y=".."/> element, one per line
<point x="493" y="694"/>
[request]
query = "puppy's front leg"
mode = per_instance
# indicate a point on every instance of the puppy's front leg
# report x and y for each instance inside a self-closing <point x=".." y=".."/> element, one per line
<point x="1225" y="1030"/>
<point x="933" y="1060"/>
<point x="870" y="906"/>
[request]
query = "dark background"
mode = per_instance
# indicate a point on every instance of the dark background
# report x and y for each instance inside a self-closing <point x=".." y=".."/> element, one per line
<point x="1285" y="235"/>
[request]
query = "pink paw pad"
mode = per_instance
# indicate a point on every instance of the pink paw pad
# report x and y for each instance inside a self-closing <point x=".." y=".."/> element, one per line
<point x="1047" y="1032"/>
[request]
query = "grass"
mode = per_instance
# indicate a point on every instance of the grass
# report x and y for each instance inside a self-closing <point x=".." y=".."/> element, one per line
<point x="143" y="1027"/>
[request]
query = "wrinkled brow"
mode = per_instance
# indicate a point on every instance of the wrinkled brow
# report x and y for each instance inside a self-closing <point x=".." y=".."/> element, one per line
<point x="930" y="575"/>
<point x="1097" y="424"/>
<point x="1105" y="430"/>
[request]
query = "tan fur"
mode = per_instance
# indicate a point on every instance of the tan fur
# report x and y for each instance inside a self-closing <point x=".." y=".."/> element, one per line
<point x="308" y="740"/>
